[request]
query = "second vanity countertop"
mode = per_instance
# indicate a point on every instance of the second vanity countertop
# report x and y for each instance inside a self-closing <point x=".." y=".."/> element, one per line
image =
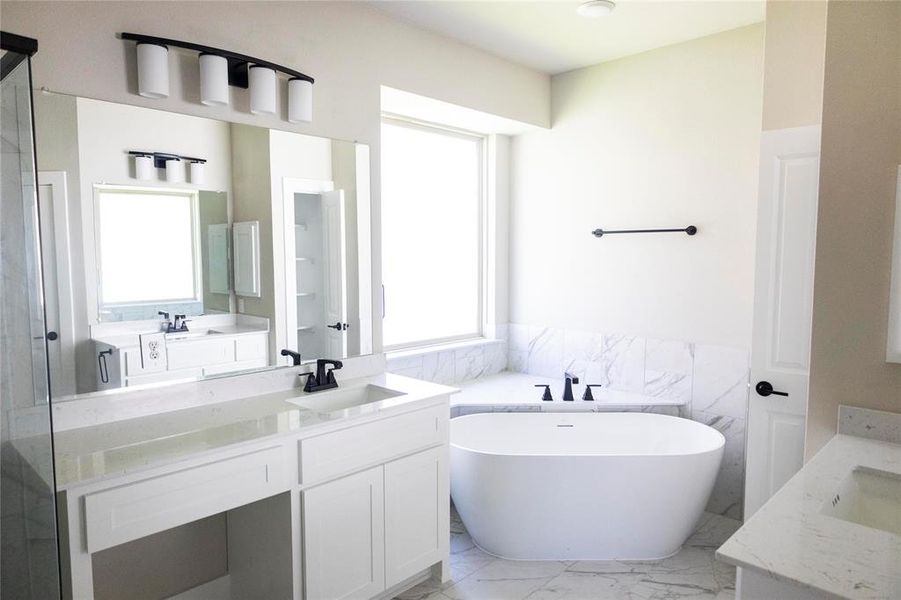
<point x="791" y="540"/>
<point x="99" y="452"/>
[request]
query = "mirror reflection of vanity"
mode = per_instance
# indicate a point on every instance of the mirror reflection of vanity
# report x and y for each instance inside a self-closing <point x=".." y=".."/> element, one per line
<point x="178" y="247"/>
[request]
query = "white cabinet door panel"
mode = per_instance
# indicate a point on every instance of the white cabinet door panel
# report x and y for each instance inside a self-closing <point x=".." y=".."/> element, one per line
<point x="416" y="514"/>
<point x="344" y="537"/>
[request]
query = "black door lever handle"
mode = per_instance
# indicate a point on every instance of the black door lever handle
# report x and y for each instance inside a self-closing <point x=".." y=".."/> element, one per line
<point x="765" y="388"/>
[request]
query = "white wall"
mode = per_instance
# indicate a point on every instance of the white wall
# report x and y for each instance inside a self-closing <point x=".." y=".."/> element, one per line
<point x="668" y="138"/>
<point x="351" y="49"/>
<point x="861" y="151"/>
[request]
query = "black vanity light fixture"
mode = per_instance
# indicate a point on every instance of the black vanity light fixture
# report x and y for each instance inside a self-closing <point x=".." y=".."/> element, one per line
<point x="690" y="230"/>
<point x="146" y="162"/>
<point x="219" y="69"/>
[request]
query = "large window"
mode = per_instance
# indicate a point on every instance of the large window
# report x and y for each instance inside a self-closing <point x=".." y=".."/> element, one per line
<point x="146" y="246"/>
<point x="432" y="233"/>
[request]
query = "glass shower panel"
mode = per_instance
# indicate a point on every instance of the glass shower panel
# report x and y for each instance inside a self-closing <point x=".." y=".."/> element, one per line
<point x="28" y="537"/>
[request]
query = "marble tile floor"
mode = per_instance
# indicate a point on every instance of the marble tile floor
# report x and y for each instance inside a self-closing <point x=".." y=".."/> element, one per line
<point x="693" y="573"/>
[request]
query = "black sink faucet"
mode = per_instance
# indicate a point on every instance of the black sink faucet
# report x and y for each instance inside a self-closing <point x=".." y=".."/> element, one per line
<point x="323" y="379"/>
<point x="295" y="356"/>
<point x="568" y="386"/>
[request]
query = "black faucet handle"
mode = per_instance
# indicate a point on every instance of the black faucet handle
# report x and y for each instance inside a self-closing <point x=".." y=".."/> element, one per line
<point x="163" y="314"/>
<point x="546" y="396"/>
<point x="588" y="396"/>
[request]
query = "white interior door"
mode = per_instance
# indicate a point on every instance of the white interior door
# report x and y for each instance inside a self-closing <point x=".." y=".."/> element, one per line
<point x="334" y="273"/>
<point x="57" y="273"/>
<point x="783" y="302"/>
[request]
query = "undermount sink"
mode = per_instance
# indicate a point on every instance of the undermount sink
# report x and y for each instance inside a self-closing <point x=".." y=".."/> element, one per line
<point x="190" y="335"/>
<point x="341" y="399"/>
<point x="868" y="497"/>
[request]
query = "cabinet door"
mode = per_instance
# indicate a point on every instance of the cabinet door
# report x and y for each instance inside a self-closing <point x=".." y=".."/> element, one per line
<point x="344" y="537"/>
<point x="417" y="509"/>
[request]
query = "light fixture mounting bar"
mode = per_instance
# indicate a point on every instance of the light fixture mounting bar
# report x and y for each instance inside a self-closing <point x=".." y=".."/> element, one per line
<point x="160" y="158"/>
<point x="237" y="63"/>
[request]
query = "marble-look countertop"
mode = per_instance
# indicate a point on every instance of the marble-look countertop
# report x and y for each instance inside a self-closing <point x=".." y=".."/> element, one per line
<point x="790" y="540"/>
<point x="133" y="340"/>
<point x="518" y="389"/>
<point x="109" y="450"/>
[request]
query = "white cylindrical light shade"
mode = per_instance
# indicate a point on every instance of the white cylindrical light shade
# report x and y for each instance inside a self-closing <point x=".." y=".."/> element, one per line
<point x="153" y="71"/>
<point x="144" y="167"/>
<point x="300" y="101"/>
<point x="213" y="80"/>
<point x="262" y="90"/>
<point x="175" y="171"/>
<point x="198" y="172"/>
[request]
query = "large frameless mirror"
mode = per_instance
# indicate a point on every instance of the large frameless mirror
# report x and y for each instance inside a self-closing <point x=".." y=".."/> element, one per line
<point x="178" y="247"/>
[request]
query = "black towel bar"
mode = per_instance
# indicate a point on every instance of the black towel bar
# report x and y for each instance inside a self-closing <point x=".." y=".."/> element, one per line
<point x="690" y="230"/>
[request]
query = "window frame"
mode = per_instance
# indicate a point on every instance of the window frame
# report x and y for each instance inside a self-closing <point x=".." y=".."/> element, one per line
<point x="482" y="228"/>
<point x="193" y="197"/>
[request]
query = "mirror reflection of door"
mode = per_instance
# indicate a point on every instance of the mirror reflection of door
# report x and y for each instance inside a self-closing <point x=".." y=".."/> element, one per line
<point x="58" y="305"/>
<point x="334" y="273"/>
<point x="319" y="278"/>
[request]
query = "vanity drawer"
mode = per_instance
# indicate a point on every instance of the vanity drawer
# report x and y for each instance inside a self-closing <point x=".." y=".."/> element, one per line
<point x="333" y="454"/>
<point x="132" y="511"/>
<point x="187" y="354"/>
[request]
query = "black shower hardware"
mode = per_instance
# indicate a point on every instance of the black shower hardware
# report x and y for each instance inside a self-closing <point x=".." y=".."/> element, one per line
<point x="322" y="379"/>
<point x="690" y="230"/>
<point x="295" y="356"/>
<point x="765" y="388"/>
<point x="101" y="364"/>
<point x="588" y="396"/>
<point x="570" y="379"/>
<point x="339" y="326"/>
<point x="238" y="64"/>
<point x="546" y="396"/>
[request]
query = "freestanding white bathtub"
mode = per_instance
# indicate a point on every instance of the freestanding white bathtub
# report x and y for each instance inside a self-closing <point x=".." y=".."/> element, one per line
<point x="584" y="486"/>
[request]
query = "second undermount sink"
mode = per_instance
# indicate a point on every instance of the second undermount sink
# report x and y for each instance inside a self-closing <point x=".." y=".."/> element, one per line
<point x="868" y="497"/>
<point x="190" y="335"/>
<point x="341" y="399"/>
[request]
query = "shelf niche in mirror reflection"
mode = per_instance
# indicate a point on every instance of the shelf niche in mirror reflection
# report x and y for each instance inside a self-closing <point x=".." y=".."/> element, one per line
<point x="170" y="246"/>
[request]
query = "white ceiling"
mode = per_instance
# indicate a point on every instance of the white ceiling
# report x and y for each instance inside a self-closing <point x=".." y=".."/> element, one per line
<point x="551" y="37"/>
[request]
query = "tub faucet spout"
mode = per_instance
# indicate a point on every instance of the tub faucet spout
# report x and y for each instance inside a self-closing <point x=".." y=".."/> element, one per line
<point x="568" y="386"/>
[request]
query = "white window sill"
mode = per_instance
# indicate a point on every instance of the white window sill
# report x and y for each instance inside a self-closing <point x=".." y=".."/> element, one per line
<point x="407" y="352"/>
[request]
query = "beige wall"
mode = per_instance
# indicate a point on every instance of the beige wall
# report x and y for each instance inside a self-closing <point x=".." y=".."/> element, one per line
<point x="350" y="48"/>
<point x="860" y="156"/>
<point x="793" y="68"/>
<point x="661" y="139"/>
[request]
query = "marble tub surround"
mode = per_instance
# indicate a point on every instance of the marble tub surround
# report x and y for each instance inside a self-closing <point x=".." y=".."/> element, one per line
<point x="691" y="573"/>
<point x="452" y="363"/>
<point x="107" y="450"/>
<point x="789" y="539"/>
<point x="709" y="382"/>
<point x="871" y="424"/>
<point x="512" y="392"/>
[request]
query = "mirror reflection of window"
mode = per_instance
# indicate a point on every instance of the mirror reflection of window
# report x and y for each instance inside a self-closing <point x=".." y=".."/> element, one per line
<point x="147" y="248"/>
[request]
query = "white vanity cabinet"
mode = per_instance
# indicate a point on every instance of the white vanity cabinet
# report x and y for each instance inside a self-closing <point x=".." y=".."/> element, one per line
<point x="190" y="358"/>
<point x="368" y="532"/>
<point x="353" y="507"/>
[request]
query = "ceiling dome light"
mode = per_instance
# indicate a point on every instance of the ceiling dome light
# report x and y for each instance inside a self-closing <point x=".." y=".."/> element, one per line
<point x="596" y="8"/>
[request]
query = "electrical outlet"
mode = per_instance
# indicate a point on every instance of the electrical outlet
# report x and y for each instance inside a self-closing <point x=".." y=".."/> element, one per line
<point x="153" y="352"/>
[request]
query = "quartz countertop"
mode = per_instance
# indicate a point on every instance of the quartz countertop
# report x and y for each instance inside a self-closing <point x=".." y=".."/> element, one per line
<point x="133" y="340"/>
<point x="98" y="452"/>
<point x="790" y="540"/>
<point x="518" y="389"/>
